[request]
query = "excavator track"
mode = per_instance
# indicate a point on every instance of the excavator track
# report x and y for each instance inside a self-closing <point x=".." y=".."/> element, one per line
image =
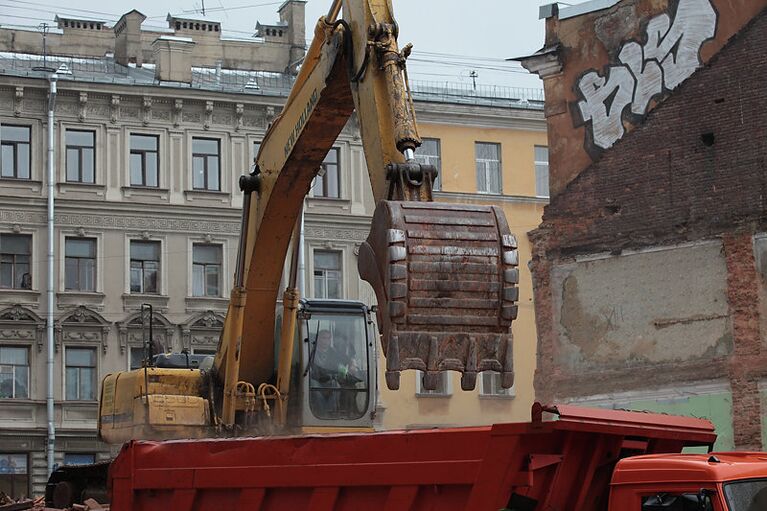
<point x="449" y="274"/>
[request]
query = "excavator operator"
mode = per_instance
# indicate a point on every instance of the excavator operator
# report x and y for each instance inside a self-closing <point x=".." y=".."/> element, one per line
<point x="334" y="375"/>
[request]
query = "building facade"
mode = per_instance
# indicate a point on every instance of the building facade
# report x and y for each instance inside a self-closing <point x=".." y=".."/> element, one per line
<point x="648" y="266"/>
<point x="148" y="151"/>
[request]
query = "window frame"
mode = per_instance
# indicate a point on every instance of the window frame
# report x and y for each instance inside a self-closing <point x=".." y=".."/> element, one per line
<point x="204" y="271"/>
<point x="340" y="270"/>
<point x="540" y="163"/>
<point x="158" y="279"/>
<point x="324" y="166"/>
<point x="79" y="288"/>
<point x="421" y="392"/>
<point x="143" y="153"/>
<point x="26" y="475"/>
<point x="14" y="366"/>
<point x="15" y="263"/>
<point x="14" y="144"/>
<point x="95" y="380"/>
<point x="497" y="393"/>
<point x="485" y="162"/>
<point x="205" y="157"/>
<point x="427" y="160"/>
<point x="79" y="149"/>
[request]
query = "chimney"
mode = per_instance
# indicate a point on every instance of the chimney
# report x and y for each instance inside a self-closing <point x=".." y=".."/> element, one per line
<point x="292" y="14"/>
<point x="173" y="58"/>
<point x="128" y="39"/>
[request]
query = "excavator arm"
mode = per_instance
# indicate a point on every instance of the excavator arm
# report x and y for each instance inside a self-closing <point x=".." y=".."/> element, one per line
<point x="444" y="274"/>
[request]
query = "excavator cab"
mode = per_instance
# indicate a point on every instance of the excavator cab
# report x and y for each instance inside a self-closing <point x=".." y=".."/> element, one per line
<point x="334" y="369"/>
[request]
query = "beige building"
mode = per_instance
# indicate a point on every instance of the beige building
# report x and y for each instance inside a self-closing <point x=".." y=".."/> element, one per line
<point x="149" y="149"/>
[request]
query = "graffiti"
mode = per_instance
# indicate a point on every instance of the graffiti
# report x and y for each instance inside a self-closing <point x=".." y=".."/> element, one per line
<point x="667" y="58"/>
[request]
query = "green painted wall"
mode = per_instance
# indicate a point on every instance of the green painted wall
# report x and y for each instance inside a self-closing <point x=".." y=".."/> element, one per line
<point x="715" y="407"/>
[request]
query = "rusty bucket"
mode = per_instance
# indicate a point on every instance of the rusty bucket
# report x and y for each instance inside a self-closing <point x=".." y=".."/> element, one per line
<point x="445" y="276"/>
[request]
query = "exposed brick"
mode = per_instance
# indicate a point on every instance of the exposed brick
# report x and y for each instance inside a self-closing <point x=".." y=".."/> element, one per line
<point x="661" y="185"/>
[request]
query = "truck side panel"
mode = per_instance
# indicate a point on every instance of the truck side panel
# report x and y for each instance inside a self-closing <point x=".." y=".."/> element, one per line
<point x="562" y="464"/>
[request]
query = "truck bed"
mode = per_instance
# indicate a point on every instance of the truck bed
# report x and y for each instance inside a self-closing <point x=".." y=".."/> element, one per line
<point x="564" y="463"/>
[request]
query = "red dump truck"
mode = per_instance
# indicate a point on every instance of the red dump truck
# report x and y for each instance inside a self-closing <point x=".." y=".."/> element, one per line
<point x="566" y="458"/>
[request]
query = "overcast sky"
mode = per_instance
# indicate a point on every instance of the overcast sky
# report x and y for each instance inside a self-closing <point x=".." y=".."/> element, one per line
<point x="451" y="38"/>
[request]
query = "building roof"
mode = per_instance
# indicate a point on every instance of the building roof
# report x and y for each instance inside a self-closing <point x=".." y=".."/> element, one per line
<point x="713" y="467"/>
<point x="264" y="83"/>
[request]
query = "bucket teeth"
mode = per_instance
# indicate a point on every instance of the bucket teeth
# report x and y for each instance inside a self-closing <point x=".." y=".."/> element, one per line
<point x="449" y="275"/>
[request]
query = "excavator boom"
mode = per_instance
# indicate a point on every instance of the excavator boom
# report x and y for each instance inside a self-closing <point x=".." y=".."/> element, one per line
<point x="444" y="274"/>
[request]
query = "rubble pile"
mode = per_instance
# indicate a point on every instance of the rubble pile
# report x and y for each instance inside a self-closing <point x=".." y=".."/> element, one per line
<point x="38" y="504"/>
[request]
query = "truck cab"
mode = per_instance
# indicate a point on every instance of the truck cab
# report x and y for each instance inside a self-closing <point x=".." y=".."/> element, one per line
<point x="733" y="481"/>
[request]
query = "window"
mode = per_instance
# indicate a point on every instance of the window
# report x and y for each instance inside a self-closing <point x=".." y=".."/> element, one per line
<point x="14" y="372"/>
<point x="442" y="388"/>
<point x="682" y="502"/>
<point x="15" y="151"/>
<point x="144" y="266"/>
<point x="488" y="159"/>
<point x="326" y="184"/>
<point x="81" y="156"/>
<point x="327" y="274"/>
<point x="71" y="458"/>
<point x="80" y="374"/>
<point x="136" y="358"/>
<point x="491" y="385"/>
<point x="256" y="148"/>
<point x="206" y="270"/>
<point x="429" y="154"/>
<point x="15" y="250"/>
<point x="80" y="264"/>
<point x="203" y="351"/>
<point x="541" y="171"/>
<point x="14" y="476"/>
<point x="144" y="160"/>
<point x="206" y="164"/>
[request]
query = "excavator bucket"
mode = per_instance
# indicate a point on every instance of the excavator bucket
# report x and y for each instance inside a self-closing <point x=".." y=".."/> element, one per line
<point x="446" y="276"/>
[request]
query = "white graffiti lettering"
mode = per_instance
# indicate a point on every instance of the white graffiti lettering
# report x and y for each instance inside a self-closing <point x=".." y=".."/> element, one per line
<point x="669" y="57"/>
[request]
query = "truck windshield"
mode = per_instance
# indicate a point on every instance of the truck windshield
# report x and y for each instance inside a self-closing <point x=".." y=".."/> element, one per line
<point x="749" y="495"/>
<point x="339" y="380"/>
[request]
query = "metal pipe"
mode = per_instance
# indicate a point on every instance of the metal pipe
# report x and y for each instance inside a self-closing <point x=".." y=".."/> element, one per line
<point x="333" y="12"/>
<point x="409" y="154"/>
<point x="302" y="256"/>
<point x="49" y="402"/>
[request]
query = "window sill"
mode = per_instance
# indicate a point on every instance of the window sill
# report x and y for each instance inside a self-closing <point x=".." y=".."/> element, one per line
<point x="205" y="303"/>
<point x="431" y="396"/>
<point x="19" y="296"/>
<point x="133" y="301"/>
<point x="328" y="204"/>
<point x="488" y="193"/>
<point x="146" y="192"/>
<point x="206" y="196"/>
<point x="82" y="189"/>
<point x="497" y="397"/>
<point x="14" y="185"/>
<point x="73" y="299"/>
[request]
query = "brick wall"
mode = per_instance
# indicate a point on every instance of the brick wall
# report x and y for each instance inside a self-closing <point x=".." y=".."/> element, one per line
<point x="695" y="170"/>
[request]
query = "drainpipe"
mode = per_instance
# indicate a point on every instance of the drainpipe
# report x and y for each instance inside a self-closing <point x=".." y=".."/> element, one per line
<point x="302" y="256"/>
<point x="49" y="323"/>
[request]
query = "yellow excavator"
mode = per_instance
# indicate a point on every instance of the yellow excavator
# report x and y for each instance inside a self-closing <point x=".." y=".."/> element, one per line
<point x="445" y="275"/>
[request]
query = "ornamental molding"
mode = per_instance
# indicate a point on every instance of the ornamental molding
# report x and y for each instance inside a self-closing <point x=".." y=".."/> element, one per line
<point x="18" y="323"/>
<point x="136" y="223"/>
<point x="330" y="233"/>
<point x="82" y="325"/>
<point x="132" y="332"/>
<point x="202" y="329"/>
